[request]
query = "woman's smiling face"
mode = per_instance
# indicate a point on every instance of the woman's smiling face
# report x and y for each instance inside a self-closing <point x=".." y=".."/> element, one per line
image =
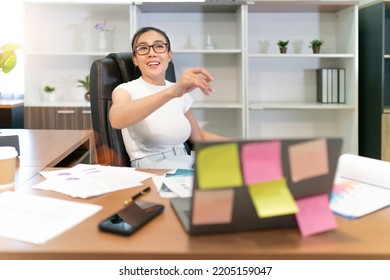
<point x="153" y="65"/>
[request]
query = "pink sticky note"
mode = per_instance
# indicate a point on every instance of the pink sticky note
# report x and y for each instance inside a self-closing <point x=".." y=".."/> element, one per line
<point x="314" y="215"/>
<point x="212" y="207"/>
<point x="308" y="159"/>
<point x="261" y="162"/>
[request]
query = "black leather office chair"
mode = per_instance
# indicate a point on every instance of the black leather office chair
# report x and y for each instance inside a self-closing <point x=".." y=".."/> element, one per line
<point x="105" y="75"/>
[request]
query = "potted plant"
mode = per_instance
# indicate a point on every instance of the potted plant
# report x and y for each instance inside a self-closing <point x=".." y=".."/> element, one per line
<point x="87" y="85"/>
<point x="282" y="46"/>
<point x="49" y="91"/>
<point x="315" y="45"/>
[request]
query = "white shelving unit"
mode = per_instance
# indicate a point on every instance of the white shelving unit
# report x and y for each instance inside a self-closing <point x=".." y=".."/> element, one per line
<point x="61" y="43"/>
<point x="281" y="88"/>
<point x="188" y="25"/>
<point x="259" y="93"/>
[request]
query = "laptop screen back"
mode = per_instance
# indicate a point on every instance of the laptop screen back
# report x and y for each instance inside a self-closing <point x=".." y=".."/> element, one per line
<point x="244" y="185"/>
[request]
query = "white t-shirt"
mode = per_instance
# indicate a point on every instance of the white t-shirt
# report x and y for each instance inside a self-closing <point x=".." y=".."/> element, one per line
<point x="165" y="128"/>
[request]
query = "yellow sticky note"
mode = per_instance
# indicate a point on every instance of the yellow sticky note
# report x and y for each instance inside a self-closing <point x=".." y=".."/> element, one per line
<point x="272" y="199"/>
<point x="218" y="166"/>
<point x="308" y="159"/>
<point x="212" y="207"/>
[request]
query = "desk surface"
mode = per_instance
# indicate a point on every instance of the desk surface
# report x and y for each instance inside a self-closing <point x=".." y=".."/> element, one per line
<point x="164" y="238"/>
<point x="11" y="103"/>
<point x="46" y="148"/>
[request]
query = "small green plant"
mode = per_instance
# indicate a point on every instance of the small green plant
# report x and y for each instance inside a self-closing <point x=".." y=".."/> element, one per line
<point x="85" y="83"/>
<point x="49" y="89"/>
<point x="316" y="43"/>
<point x="283" y="44"/>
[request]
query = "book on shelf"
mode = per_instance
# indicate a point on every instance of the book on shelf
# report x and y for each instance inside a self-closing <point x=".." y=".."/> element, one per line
<point x="329" y="81"/>
<point x="331" y="85"/>
<point x="335" y="85"/>
<point x="322" y="85"/>
<point x="342" y="89"/>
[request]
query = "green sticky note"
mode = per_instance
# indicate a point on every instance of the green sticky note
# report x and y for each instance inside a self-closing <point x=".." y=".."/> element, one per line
<point x="272" y="198"/>
<point x="218" y="166"/>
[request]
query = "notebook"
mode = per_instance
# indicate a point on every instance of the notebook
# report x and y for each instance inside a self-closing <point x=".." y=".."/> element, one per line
<point x="254" y="184"/>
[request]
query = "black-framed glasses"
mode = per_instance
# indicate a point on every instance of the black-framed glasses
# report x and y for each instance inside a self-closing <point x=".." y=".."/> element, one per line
<point x="145" y="49"/>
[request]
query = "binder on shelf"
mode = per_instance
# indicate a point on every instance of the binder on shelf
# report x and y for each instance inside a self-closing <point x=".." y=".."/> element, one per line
<point x="342" y="89"/>
<point x="322" y="85"/>
<point x="331" y="85"/>
<point x="335" y="85"/>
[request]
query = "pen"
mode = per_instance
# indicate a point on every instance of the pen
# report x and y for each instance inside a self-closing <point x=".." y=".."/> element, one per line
<point x="130" y="200"/>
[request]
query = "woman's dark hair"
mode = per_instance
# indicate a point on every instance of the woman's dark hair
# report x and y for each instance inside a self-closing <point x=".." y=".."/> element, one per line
<point x="142" y="30"/>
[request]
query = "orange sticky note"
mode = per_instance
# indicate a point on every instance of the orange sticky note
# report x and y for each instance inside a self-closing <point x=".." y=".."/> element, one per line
<point x="218" y="166"/>
<point x="261" y="162"/>
<point x="314" y="215"/>
<point x="308" y="159"/>
<point x="272" y="199"/>
<point x="212" y="207"/>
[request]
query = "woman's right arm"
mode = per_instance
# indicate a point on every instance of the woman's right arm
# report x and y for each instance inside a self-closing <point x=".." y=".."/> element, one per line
<point x="125" y="112"/>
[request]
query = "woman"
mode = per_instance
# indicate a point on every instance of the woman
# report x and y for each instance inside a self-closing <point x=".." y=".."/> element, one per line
<point x="153" y="113"/>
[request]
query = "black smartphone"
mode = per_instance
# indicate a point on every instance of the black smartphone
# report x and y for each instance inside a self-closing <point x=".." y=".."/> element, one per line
<point x="131" y="217"/>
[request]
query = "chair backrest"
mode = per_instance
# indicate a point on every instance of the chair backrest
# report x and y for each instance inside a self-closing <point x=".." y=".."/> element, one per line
<point x="106" y="74"/>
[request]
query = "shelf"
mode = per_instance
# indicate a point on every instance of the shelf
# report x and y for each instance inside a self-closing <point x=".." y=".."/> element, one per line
<point x="210" y="6"/>
<point x="259" y="6"/>
<point x="386" y="110"/>
<point x="299" y="106"/>
<point x="59" y="103"/>
<point x="216" y="105"/>
<point x="103" y="54"/>
<point x="206" y="51"/>
<point x="54" y="54"/>
<point x="303" y="55"/>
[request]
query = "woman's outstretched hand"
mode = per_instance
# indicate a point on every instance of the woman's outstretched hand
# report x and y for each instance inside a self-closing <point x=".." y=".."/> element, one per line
<point x="192" y="79"/>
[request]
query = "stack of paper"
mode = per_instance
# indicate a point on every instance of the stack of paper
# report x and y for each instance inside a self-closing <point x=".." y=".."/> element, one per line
<point x="36" y="219"/>
<point x="85" y="180"/>
<point x="175" y="183"/>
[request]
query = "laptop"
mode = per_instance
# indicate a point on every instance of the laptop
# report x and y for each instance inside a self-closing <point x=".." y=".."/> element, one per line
<point x="254" y="184"/>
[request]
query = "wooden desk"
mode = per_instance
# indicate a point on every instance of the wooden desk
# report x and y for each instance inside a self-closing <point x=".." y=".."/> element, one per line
<point x="50" y="148"/>
<point x="164" y="238"/>
<point x="11" y="113"/>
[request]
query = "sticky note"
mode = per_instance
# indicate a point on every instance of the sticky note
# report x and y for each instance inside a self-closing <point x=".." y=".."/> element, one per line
<point x="261" y="162"/>
<point x="212" y="207"/>
<point x="218" y="166"/>
<point x="308" y="159"/>
<point x="272" y="199"/>
<point x="314" y="215"/>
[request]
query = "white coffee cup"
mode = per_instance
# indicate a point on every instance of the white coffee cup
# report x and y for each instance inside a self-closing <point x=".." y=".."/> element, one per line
<point x="7" y="168"/>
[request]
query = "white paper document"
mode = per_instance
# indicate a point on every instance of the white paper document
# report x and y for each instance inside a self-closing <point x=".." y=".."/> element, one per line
<point x="362" y="186"/>
<point x="85" y="180"/>
<point x="175" y="183"/>
<point x="181" y="186"/>
<point x="37" y="219"/>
